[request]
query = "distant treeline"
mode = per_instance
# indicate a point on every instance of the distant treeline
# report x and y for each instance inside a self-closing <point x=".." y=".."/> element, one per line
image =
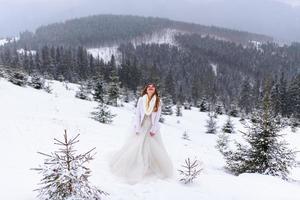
<point x="97" y="30"/>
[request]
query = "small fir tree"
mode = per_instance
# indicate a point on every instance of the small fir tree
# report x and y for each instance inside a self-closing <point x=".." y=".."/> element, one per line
<point x="167" y="105"/>
<point x="211" y="125"/>
<point x="190" y="171"/>
<point x="178" y="109"/>
<point x="228" y="126"/>
<point x="65" y="174"/>
<point x="102" y="114"/>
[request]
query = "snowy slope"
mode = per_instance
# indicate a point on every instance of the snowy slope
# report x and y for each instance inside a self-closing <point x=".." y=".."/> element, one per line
<point x="30" y="119"/>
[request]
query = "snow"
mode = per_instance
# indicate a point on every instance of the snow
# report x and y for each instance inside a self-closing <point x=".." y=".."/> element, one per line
<point x="30" y="119"/>
<point x="214" y="68"/>
<point x="257" y="45"/>
<point x="3" y="41"/>
<point x="165" y="36"/>
<point x="22" y="51"/>
<point x="105" y="52"/>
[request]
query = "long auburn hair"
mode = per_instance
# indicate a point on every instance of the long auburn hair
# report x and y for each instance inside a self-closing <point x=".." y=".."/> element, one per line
<point x="144" y="91"/>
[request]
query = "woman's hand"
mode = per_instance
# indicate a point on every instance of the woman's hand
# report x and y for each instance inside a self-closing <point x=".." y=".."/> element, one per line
<point x="152" y="134"/>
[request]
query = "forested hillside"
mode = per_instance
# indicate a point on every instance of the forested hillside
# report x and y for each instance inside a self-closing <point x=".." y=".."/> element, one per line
<point x="94" y="31"/>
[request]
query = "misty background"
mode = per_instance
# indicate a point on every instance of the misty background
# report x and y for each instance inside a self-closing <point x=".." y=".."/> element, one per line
<point x="277" y="18"/>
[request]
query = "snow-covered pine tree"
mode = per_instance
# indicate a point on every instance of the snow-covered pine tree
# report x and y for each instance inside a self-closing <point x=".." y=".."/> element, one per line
<point x="219" y="109"/>
<point x="203" y="107"/>
<point x="65" y="174"/>
<point x="294" y="97"/>
<point x="99" y="89"/>
<point x="190" y="171"/>
<point x="82" y="93"/>
<point x="102" y="114"/>
<point x="246" y="97"/>
<point x="228" y="126"/>
<point x="178" y="109"/>
<point x="211" y="124"/>
<point x="89" y="84"/>
<point x="266" y="153"/>
<point x="222" y="143"/>
<point x="275" y="97"/>
<point x="294" y="123"/>
<point x="113" y="89"/>
<point x="283" y="95"/>
<point x="18" y="78"/>
<point x="167" y="105"/>
<point x="37" y="82"/>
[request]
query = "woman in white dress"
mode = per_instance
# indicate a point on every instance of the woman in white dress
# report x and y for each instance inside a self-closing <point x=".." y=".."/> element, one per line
<point x="144" y="152"/>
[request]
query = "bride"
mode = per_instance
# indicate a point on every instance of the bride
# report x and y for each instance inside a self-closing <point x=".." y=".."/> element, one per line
<point x="144" y="153"/>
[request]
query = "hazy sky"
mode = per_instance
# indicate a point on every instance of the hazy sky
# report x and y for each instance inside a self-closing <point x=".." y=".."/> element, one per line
<point x="270" y="17"/>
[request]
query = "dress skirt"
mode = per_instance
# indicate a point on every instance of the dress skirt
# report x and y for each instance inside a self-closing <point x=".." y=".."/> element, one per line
<point x="141" y="155"/>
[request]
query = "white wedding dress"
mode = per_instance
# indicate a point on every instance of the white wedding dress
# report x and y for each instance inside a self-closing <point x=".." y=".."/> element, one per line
<point x="141" y="155"/>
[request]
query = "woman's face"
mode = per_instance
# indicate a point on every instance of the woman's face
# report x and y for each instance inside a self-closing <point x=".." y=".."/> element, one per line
<point x="150" y="89"/>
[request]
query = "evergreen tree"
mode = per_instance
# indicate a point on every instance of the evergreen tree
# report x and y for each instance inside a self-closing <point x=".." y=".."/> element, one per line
<point x="228" y="126"/>
<point x="82" y="93"/>
<point x="169" y="83"/>
<point x="167" y="105"/>
<point x="246" y="98"/>
<point x="283" y="95"/>
<point x="294" y="123"/>
<point x="204" y="107"/>
<point x="211" y="125"/>
<point x="266" y="154"/>
<point x="219" y="109"/>
<point x="294" y="97"/>
<point x="65" y="174"/>
<point x="99" y="90"/>
<point x="82" y="63"/>
<point x="102" y="114"/>
<point x="222" y="143"/>
<point x="178" y="109"/>
<point x="18" y="78"/>
<point x="276" y="99"/>
<point x="37" y="82"/>
<point x="113" y="89"/>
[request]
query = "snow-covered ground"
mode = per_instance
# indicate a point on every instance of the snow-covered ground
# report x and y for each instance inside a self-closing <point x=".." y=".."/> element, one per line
<point x="30" y="119"/>
<point x="214" y="68"/>
<point x="3" y="41"/>
<point x="22" y="51"/>
<point x="105" y="52"/>
<point x="165" y="36"/>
